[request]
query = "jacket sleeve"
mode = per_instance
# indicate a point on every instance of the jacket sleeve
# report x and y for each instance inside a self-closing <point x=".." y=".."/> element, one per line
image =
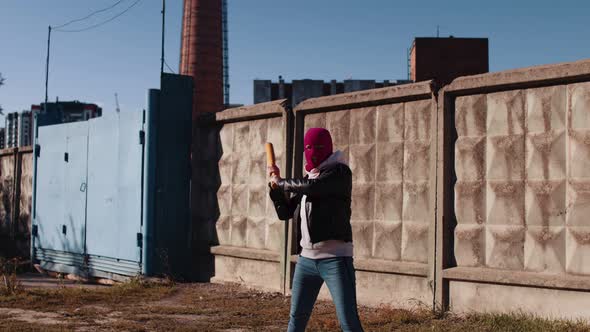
<point x="333" y="182"/>
<point x="284" y="206"/>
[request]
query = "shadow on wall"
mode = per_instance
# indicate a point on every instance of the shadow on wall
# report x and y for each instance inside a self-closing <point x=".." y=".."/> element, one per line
<point x="23" y="227"/>
<point x="206" y="181"/>
<point x="72" y="242"/>
<point x="6" y="197"/>
<point x="71" y="237"/>
<point x="24" y="196"/>
<point x="15" y="202"/>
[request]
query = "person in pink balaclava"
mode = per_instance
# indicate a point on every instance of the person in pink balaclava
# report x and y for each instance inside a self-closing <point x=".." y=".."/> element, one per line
<point x="320" y="204"/>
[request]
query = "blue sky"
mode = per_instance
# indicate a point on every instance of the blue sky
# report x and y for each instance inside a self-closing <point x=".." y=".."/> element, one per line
<point x="327" y="39"/>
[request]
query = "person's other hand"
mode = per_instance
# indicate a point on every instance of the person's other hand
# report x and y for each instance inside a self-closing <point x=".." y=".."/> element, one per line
<point x="274" y="180"/>
<point x="273" y="170"/>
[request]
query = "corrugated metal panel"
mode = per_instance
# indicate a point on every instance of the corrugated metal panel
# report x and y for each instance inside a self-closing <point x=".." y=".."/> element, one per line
<point x="66" y="262"/>
<point x="118" y="266"/>
<point x="59" y="257"/>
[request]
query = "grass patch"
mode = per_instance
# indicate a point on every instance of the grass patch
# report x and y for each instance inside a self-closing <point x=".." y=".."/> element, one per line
<point x="75" y="297"/>
<point x="16" y="326"/>
<point x="386" y="319"/>
<point x="9" y="285"/>
<point x="523" y="322"/>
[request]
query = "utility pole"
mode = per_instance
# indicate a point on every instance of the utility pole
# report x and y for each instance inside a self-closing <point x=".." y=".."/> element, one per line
<point x="118" y="109"/>
<point x="163" y="33"/>
<point x="47" y="67"/>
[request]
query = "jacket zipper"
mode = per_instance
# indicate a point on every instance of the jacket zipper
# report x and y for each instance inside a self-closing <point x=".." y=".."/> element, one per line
<point x="307" y="214"/>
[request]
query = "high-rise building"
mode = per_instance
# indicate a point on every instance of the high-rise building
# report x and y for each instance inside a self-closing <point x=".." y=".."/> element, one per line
<point x="11" y="130"/>
<point x="18" y="129"/>
<point x="65" y="111"/>
<point x="25" y="129"/>
<point x="2" y="138"/>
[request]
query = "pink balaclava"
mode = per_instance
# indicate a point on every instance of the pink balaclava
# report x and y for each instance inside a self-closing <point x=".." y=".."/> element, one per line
<point x="317" y="145"/>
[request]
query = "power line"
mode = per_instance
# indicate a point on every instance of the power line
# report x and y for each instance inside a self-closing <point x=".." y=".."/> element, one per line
<point x="104" y="22"/>
<point x="89" y="15"/>
<point x="172" y="70"/>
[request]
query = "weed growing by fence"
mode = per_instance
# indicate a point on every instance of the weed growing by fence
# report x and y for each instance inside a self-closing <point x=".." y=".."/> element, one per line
<point x="9" y="282"/>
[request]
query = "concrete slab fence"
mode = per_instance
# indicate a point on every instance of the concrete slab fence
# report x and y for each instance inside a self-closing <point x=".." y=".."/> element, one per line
<point x="513" y="231"/>
<point x="471" y="197"/>
<point x="16" y="173"/>
<point x="251" y="240"/>
<point x="388" y="137"/>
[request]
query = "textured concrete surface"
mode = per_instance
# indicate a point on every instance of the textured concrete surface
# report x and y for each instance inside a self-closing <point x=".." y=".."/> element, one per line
<point x="422" y="90"/>
<point x="399" y="291"/>
<point x="276" y="108"/>
<point x="257" y="254"/>
<point x="389" y="266"/>
<point x="6" y="193"/>
<point x="506" y="277"/>
<point x="388" y="137"/>
<point x="552" y="303"/>
<point x="16" y="166"/>
<point x="246" y="228"/>
<point x="517" y="227"/>
<point x="247" y="271"/>
<point x="247" y="216"/>
<point x="389" y="151"/>
<point x="547" y="74"/>
<point x="520" y="198"/>
<point x="25" y="196"/>
<point x="516" y="201"/>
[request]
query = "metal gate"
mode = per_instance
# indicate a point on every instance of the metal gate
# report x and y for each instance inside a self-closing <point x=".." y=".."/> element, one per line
<point x="111" y="196"/>
<point x="88" y="198"/>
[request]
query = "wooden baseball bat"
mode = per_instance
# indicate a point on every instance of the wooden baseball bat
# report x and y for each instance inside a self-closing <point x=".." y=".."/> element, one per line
<point x="270" y="154"/>
<point x="270" y="158"/>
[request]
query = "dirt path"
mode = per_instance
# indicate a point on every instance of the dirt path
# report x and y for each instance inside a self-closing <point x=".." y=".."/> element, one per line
<point x="140" y="306"/>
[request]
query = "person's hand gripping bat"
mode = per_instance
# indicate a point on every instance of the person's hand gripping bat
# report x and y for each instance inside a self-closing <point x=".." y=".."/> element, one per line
<point x="273" y="171"/>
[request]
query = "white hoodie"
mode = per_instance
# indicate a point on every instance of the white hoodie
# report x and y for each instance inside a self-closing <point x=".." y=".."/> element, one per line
<point x="329" y="248"/>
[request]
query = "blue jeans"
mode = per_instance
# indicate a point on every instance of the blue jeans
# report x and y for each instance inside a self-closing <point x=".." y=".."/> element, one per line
<point x="310" y="274"/>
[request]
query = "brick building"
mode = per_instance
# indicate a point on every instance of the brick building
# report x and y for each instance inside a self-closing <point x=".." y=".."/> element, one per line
<point x="445" y="59"/>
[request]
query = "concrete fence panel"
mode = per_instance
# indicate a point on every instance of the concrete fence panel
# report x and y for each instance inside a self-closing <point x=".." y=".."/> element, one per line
<point x="24" y="194"/>
<point x="251" y="239"/>
<point x="16" y="169"/>
<point x="388" y="137"/>
<point x="7" y="174"/>
<point x="514" y="187"/>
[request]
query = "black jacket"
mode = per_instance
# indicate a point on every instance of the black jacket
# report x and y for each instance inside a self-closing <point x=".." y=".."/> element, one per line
<point x="327" y="204"/>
